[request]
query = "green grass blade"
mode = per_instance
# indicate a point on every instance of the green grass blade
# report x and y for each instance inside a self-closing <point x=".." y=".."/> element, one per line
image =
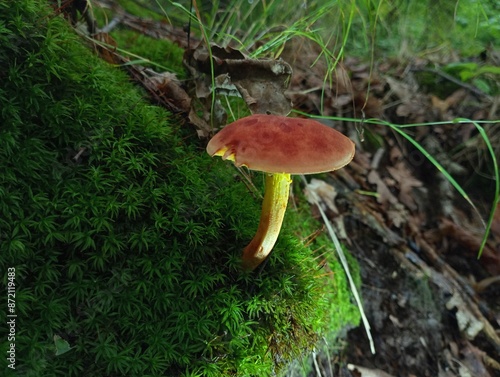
<point x="438" y="166"/>
<point x="478" y="124"/>
<point x="496" y="200"/>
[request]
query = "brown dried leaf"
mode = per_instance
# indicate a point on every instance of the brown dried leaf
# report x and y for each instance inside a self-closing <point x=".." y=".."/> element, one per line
<point x="318" y="189"/>
<point x="406" y="183"/>
<point x="105" y="46"/>
<point x="205" y="118"/>
<point x="403" y="91"/>
<point x="168" y="86"/>
<point x="413" y="105"/>
<point x="260" y="82"/>
<point x="202" y="127"/>
<point x="451" y="101"/>
<point x="397" y="215"/>
<point x="384" y="194"/>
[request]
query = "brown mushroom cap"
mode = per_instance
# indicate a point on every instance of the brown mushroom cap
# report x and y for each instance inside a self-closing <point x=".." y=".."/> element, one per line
<point x="278" y="144"/>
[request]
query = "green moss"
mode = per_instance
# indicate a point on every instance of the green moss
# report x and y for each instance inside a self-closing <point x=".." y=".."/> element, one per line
<point x="144" y="8"/>
<point x="157" y="51"/>
<point x="125" y="236"/>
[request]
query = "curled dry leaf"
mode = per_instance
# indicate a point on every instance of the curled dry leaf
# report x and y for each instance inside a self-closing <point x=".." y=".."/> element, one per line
<point x="260" y="82"/>
<point x="324" y="191"/>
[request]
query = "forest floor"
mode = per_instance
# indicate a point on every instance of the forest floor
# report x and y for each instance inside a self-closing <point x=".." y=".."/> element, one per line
<point x="433" y="306"/>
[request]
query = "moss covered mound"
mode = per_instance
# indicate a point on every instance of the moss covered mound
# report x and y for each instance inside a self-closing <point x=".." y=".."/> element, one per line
<point x="125" y="236"/>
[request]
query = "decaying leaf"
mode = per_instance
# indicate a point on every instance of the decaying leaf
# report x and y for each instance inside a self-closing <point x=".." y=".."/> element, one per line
<point x="202" y="125"/>
<point x="397" y="215"/>
<point x="406" y="183"/>
<point x="323" y="191"/>
<point x="443" y="106"/>
<point x="384" y="194"/>
<point x="413" y="105"/>
<point x="467" y="322"/>
<point x="367" y="372"/>
<point x="106" y="46"/>
<point x="260" y="82"/>
<point x="169" y="86"/>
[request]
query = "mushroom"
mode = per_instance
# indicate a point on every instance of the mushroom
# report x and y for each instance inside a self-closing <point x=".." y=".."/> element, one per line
<point x="279" y="146"/>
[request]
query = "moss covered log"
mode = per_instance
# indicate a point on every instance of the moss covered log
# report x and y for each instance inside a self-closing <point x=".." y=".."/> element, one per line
<point x="125" y="236"/>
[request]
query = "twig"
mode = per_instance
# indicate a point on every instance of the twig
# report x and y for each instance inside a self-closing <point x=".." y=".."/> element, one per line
<point x="112" y="24"/>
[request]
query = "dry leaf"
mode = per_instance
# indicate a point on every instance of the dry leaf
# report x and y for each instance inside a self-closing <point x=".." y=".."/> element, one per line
<point x="260" y="82"/>
<point x="366" y="372"/>
<point x="325" y="192"/>
<point x="467" y="322"/>
<point x="413" y="105"/>
<point x="406" y="183"/>
<point x="451" y="101"/>
<point x="397" y="215"/>
<point x="107" y="48"/>
<point x="209" y="118"/>
<point x="384" y="194"/>
<point x="168" y="86"/>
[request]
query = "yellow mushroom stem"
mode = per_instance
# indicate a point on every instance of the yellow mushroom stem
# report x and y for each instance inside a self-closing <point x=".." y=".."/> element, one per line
<point x="277" y="188"/>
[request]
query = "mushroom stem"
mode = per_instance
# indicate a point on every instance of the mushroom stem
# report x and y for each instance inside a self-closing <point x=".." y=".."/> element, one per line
<point x="277" y="188"/>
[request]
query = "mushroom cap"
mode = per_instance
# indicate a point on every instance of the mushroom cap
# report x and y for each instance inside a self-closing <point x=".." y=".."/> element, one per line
<point x="278" y="144"/>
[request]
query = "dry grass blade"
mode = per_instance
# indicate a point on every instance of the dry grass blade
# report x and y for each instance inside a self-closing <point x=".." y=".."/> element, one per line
<point x="345" y="266"/>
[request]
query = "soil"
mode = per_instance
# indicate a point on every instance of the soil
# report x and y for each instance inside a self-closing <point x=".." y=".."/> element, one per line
<point x="415" y="334"/>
